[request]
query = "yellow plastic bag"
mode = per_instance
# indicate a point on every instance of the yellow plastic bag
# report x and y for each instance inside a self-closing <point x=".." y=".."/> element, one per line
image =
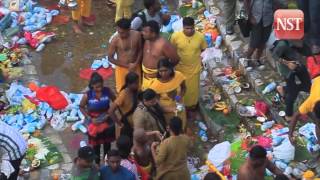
<point x="27" y="105"/>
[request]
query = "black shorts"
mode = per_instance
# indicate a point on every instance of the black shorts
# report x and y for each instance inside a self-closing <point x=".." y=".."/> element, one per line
<point x="259" y="35"/>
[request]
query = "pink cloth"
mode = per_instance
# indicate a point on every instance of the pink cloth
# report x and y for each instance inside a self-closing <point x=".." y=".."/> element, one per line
<point x="130" y="166"/>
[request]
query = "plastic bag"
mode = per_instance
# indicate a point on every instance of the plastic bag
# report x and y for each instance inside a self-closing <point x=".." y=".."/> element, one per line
<point x="52" y="96"/>
<point x="284" y="151"/>
<point x="219" y="154"/>
<point x="261" y="108"/>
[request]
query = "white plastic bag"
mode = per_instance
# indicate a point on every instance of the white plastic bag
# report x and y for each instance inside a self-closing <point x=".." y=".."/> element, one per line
<point x="219" y="154"/>
<point x="285" y="151"/>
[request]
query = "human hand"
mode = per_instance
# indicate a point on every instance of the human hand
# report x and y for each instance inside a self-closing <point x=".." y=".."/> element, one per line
<point x="154" y="145"/>
<point x="292" y="65"/>
<point x="158" y="134"/>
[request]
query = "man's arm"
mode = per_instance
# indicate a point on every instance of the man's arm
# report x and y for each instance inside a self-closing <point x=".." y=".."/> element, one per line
<point x="170" y="52"/>
<point x="112" y="51"/>
<point x="271" y="167"/>
<point x="242" y="174"/>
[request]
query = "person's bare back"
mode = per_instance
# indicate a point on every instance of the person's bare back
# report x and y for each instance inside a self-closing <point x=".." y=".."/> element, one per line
<point x="142" y="155"/>
<point x="247" y="173"/>
<point x="127" y="50"/>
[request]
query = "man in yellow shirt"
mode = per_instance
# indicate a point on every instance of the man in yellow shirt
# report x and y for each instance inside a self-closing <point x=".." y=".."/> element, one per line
<point x="310" y="106"/>
<point x="190" y="44"/>
<point x="123" y="9"/>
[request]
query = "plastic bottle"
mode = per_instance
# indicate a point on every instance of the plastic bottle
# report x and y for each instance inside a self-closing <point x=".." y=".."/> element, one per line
<point x="49" y="113"/>
<point x="80" y="115"/>
<point x="202" y="126"/>
<point x="82" y="128"/>
<point x="208" y="38"/>
<point x="76" y="126"/>
<point x="270" y="87"/>
<point x="207" y="14"/>
<point x="28" y="129"/>
<point x="281" y="165"/>
<point x="73" y="112"/>
<point x="72" y="118"/>
<point x="277" y="140"/>
<point x="194" y="4"/>
<point x="218" y="42"/>
<point x="179" y="106"/>
<point x="41" y="123"/>
<point x="267" y="125"/>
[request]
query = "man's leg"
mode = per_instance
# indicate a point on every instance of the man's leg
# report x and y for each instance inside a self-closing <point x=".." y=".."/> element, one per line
<point x="96" y="149"/>
<point x="76" y="17"/>
<point x="229" y="8"/>
<point x="86" y="13"/>
<point x="119" y="10"/>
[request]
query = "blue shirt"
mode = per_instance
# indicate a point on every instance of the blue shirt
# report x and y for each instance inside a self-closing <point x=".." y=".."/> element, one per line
<point x="122" y="173"/>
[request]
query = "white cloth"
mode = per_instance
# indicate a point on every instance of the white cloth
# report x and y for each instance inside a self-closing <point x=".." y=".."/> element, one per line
<point x="6" y="168"/>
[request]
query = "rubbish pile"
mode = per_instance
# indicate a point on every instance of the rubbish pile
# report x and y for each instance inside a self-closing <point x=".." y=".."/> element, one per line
<point x="29" y="110"/>
<point x="22" y="22"/>
<point x="9" y="62"/>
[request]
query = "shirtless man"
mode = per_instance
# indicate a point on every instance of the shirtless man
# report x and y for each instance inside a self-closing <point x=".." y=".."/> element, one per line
<point x="127" y="44"/>
<point x="155" y="48"/>
<point x="141" y="149"/>
<point x="255" y="166"/>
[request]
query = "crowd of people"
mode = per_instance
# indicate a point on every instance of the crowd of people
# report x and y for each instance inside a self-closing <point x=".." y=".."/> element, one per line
<point x="157" y="85"/>
<point x="157" y="92"/>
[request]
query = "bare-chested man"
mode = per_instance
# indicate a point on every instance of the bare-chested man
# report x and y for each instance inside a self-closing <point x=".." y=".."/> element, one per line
<point x="141" y="149"/>
<point x="127" y="44"/>
<point x="255" y="166"/>
<point x="155" y="48"/>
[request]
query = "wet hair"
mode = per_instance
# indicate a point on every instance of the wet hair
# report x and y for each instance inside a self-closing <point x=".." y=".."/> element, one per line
<point x="113" y="153"/>
<point x="95" y="79"/>
<point x="188" y="21"/>
<point x="124" y="23"/>
<point x="212" y="176"/>
<point x="154" y="26"/>
<point x="149" y="3"/>
<point x="148" y="95"/>
<point x="175" y="125"/>
<point x="130" y="78"/>
<point x="167" y="64"/>
<point x="316" y="109"/>
<point x="124" y="145"/>
<point x="281" y="177"/>
<point x="257" y="152"/>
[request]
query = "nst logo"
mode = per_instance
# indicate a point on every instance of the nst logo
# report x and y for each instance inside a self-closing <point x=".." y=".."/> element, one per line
<point x="289" y="24"/>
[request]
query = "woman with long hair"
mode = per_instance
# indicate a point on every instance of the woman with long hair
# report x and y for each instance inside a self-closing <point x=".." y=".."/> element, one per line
<point x="171" y="87"/>
<point x="126" y="103"/>
<point x="94" y="105"/>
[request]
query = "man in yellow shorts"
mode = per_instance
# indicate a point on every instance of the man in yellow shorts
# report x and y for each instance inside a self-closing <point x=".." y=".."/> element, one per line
<point x="82" y="15"/>
<point x="127" y="44"/>
<point x="189" y="44"/>
<point x="123" y="9"/>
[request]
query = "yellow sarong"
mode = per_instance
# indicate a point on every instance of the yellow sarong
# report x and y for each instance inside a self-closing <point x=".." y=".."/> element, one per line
<point x="123" y="9"/>
<point x="146" y="81"/>
<point x="164" y="90"/>
<point x="83" y="10"/>
<point x="120" y="76"/>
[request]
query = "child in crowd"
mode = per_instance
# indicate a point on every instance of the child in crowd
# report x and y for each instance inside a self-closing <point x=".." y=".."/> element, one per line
<point x="84" y="167"/>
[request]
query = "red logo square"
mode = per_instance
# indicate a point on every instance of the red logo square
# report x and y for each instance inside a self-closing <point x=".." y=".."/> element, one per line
<point x="289" y="24"/>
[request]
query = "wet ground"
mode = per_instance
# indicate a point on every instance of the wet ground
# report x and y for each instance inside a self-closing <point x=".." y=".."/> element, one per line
<point x="60" y="62"/>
